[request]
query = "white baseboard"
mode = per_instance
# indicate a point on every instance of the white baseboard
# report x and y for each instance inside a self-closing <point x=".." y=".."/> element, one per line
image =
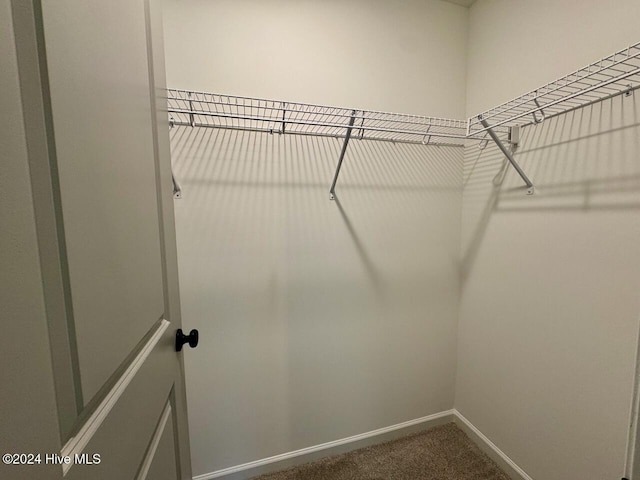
<point x="490" y="448"/>
<point x="304" y="455"/>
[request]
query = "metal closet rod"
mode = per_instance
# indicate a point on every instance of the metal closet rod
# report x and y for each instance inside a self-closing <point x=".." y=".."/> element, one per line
<point x="320" y="124"/>
<point x="609" y="77"/>
<point x="315" y="134"/>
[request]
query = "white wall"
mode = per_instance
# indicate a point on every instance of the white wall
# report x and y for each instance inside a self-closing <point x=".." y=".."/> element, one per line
<point x="319" y="320"/>
<point x="550" y="283"/>
<point x="322" y="320"/>
<point x="402" y="56"/>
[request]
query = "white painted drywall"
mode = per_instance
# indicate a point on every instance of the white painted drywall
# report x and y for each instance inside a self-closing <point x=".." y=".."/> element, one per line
<point x="401" y="56"/>
<point x="550" y="283"/>
<point x="319" y="320"/>
<point x="464" y="3"/>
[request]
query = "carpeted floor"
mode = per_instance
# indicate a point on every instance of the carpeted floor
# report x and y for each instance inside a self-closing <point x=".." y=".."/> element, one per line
<point x="441" y="453"/>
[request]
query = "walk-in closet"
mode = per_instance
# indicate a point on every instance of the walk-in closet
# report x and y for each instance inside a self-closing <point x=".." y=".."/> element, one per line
<point x="325" y="240"/>
<point x="442" y="276"/>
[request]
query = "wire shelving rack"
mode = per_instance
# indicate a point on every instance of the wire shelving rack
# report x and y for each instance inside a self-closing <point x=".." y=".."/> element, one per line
<point x="611" y="76"/>
<point x="272" y="116"/>
<point x="616" y="74"/>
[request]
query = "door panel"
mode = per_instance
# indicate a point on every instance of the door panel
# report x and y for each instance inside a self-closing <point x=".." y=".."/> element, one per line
<point x="94" y="150"/>
<point x="123" y="436"/>
<point x="92" y="143"/>
<point x="160" y="461"/>
<point x="98" y="78"/>
<point x="27" y="390"/>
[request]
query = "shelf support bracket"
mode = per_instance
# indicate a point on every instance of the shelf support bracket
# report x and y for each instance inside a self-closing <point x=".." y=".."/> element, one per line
<point x="284" y="114"/>
<point x="332" y="190"/>
<point x="177" y="189"/>
<point x="514" y="164"/>
<point x="192" y="119"/>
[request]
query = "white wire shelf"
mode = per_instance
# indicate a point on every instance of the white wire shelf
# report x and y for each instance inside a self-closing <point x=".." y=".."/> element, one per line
<point x="614" y="75"/>
<point x="255" y="114"/>
<point x="609" y="77"/>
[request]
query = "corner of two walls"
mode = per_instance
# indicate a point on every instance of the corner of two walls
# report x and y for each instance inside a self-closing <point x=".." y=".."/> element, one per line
<point x="291" y="287"/>
<point x="320" y="320"/>
<point x="550" y="309"/>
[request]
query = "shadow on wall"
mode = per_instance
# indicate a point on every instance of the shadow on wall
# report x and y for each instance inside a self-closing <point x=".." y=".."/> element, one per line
<point x="324" y="318"/>
<point x="270" y="179"/>
<point x="583" y="161"/>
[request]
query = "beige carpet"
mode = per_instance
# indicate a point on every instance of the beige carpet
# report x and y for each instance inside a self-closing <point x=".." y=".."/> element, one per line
<point x="441" y="453"/>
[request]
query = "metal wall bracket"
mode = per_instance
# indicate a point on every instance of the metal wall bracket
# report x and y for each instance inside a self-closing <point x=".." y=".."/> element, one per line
<point x="177" y="190"/>
<point x="332" y="190"/>
<point x="507" y="153"/>
<point x="629" y="90"/>
<point x="514" y="135"/>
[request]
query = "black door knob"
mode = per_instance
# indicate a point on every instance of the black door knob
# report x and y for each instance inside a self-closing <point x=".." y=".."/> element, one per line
<point x="191" y="339"/>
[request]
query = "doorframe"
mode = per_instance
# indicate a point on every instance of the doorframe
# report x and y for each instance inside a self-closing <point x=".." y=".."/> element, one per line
<point x="632" y="458"/>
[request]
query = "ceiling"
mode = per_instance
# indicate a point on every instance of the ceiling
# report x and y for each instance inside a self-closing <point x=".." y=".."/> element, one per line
<point x="464" y="3"/>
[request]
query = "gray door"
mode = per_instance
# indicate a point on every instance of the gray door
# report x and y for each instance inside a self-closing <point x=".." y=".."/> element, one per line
<point x="82" y="82"/>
